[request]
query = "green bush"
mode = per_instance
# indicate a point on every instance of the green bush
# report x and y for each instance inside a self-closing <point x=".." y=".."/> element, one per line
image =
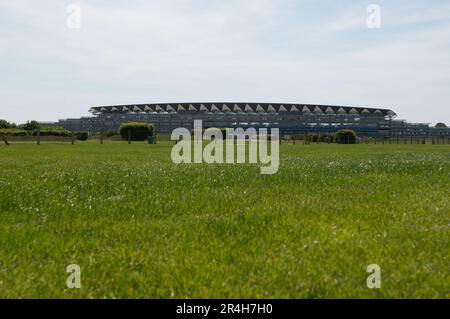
<point x="139" y="131"/>
<point x="82" y="136"/>
<point x="314" y="138"/>
<point x="327" y="138"/>
<point x="345" y="137"/>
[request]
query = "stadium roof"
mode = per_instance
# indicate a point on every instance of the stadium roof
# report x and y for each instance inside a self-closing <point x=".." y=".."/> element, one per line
<point x="227" y="107"/>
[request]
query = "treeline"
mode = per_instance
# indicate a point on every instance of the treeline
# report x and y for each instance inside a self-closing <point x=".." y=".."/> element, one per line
<point x="15" y="132"/>
<point x="33" y="128"/>
<point x="28" y="126"/>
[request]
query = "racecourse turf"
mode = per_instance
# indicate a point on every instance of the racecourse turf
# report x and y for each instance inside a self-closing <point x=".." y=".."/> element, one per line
<point x="140" y="226"/>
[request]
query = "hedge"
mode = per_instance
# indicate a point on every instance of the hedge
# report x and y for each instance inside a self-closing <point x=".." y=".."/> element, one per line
<point x="139" y="131"/>
<point x="314" y="137"/>
<point x="52" y="132"/>
<point x="81" y="136"/>
<point x="345" y="137"/>
<point x="14" y="132"/>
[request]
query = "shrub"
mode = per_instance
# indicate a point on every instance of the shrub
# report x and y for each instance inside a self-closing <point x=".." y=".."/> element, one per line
<point x="345" y="137"/>
<point x="331" y="138"/>
<point x="314" y="138"/>
<point x="139" y="131"/>
<point x="327" y="138"/>
<point x="82" y="136"/>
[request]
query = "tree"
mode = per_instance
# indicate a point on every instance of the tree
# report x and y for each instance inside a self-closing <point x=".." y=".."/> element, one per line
<point x="441" y="125"/>
<point x="30" y="126"/>
<point x="6" y="124"/>
<point x="4" y="139"/>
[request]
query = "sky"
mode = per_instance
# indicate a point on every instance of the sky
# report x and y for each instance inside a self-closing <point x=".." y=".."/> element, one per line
<point x="168" y="51"/>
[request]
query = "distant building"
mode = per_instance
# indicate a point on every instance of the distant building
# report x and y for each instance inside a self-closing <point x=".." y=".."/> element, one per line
<point x="289" y="118"/>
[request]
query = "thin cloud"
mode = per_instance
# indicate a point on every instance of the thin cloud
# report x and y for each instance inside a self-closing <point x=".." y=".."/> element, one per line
<point x="287" y="51"/>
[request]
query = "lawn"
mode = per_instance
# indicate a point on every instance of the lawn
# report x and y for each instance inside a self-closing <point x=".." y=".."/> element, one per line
<point x="140" y="226"/>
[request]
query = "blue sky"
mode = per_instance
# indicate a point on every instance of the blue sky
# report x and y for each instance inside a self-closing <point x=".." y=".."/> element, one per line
<point x="304" y="51"/>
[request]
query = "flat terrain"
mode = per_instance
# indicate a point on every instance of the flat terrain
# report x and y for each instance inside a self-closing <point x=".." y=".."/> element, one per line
<point x="140" y="226"/>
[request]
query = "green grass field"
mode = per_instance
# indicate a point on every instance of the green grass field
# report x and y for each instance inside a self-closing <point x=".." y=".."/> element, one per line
<point x="140" y="226"/>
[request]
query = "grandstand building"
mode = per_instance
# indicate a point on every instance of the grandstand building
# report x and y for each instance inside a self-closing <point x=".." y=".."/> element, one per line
<point x="289" y="118"/>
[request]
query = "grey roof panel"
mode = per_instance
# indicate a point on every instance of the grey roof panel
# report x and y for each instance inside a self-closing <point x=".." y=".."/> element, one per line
<point x="243" y="107"/>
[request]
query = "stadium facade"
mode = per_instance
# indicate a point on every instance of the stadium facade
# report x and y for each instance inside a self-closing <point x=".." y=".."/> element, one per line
<point x="289" y="118"/>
